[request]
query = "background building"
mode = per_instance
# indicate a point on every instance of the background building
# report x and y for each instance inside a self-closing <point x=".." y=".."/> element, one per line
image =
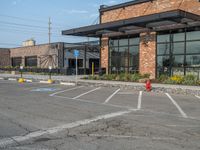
<point x="151" y="36"/>
<point x="58" y="55"/>
<point x="5" y="57"/>
<point x="41" y="56"/>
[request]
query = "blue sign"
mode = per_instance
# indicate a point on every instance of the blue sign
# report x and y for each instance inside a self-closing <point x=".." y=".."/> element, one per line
<point x="76" y="53"/>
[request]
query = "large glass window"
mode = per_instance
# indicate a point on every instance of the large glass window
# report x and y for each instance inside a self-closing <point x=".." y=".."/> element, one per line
<point x="16" y="61"/>
<point x="124" y="55"/>
<point x="178" y="53"/>
<point x="31" y="61"/>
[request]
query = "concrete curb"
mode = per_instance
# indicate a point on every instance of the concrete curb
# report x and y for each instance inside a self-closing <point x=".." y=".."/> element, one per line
<point x="157" y="88"/>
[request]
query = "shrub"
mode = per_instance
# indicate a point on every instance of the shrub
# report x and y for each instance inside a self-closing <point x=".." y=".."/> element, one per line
<point x="163" y="78"/>
<point x="135" y="77"/>
<point x="177" y="79"/>
<point x="146" y="75"/>
<point x="190" y="80"/>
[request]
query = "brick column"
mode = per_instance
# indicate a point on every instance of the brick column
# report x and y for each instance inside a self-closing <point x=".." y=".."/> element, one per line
<point x="148" y="54"/>
<point x="104" y="53"/>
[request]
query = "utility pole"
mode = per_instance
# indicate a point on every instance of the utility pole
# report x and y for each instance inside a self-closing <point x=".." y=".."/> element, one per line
<point x="49" y="23"/>
<point x="49" y="30"/>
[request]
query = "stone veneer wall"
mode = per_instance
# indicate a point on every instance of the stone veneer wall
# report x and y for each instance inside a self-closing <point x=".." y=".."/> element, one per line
<point x="104" y="53"/>
<point x="147" y="61"/>
<point x="148" y="50"/>
<point x="4" y="57"/>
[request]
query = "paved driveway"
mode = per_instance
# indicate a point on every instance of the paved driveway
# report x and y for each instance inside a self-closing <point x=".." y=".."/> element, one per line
<point x="39" y="116"/>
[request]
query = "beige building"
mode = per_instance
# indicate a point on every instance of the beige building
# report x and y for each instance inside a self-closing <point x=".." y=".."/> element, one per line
<point x="41" y="56"/>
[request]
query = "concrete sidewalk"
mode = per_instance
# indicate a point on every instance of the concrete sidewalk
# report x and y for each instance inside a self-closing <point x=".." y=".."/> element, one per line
<point x="42" y="77"/>
<point x="176" y="89"/>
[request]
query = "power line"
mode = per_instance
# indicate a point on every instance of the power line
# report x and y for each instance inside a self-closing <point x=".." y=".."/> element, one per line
<point x="25" y="25"/>
<point x="27" y="31"/>
<point x="19" y="18"/>
<point x="10" y="44"/>
<point x="58" y="25"/>
<point x="49" y="30"/>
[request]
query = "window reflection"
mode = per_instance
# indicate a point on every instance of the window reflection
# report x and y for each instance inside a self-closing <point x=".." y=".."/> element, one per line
<point x="125" y="56"/>
<point x="177" y="56"/>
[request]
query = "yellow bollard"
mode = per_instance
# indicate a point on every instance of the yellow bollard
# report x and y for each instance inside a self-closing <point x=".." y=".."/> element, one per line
<point x="21" y="80"/>
<point x="92" y="69"/>
<point x="50" y="81"/>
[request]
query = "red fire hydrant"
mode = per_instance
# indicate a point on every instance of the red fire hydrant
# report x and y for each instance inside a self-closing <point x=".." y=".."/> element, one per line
<point x="148" y="86"/>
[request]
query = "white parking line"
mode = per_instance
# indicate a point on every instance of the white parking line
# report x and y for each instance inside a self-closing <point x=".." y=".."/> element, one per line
<point x="109" y="98"/>
<point x="87" y="93"/>
<point x="177" y="106"/>
<point x="139" y="101"/>
<point x="197" y="96"/>
<point x="92" y="102"/>
<point x="18" y="139"/>
<point x="65" y="90"/>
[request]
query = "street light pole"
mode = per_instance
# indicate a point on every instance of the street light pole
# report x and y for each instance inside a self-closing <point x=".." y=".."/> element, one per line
<point x="50" y="68"/>
<point x="76" y="68"/>
<point x="21" y="69"/>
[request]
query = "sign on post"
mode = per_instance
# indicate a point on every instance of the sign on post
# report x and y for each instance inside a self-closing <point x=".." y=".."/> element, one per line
<point x="76" y="54"/>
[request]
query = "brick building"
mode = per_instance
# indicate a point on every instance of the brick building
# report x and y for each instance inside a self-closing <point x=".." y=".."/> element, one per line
<point x="58" y="55"/>
<point x="151" y="36"/>
<point x="4" y="57"/>
<point x="42" y="56"/>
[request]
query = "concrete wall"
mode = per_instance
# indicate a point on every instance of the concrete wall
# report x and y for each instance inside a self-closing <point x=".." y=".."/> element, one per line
<point x="4" y="57"/>
<point x="41" y="51"/>
<point x="147" y="49"/>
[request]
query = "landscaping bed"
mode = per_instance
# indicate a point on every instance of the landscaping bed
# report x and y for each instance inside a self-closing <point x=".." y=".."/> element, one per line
<point x="164" y="79"/>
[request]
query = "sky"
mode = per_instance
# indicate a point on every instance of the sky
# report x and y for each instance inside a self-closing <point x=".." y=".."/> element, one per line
<point x="21" y="20"/>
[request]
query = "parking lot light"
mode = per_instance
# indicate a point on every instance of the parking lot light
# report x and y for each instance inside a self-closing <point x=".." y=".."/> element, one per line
<point x="21" y="80"/>
<point x="50" y="80"/>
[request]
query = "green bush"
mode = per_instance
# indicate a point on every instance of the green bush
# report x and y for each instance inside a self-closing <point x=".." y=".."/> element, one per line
<point x="190" y="80"/>
<point x="146" y="75"/>
<point x="135" y="77"/>
<point x="176" y="79"/>
<point x="163" y="78"/>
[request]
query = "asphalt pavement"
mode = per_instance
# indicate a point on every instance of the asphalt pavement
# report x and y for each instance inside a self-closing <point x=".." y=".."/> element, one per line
<point x="57" y="117"/>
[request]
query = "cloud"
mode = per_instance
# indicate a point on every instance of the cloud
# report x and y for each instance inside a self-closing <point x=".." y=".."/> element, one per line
<point x="73" y="11"/>
<point x="15" y="2"/>
<point x="111" y="2"/>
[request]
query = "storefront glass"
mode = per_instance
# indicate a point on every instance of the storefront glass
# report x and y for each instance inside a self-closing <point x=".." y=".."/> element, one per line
<point x="123" y="55"/>
<point x="178" y="53"/>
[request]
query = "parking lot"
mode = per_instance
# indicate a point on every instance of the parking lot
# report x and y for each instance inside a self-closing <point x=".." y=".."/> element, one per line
<point x="47" y="117"/>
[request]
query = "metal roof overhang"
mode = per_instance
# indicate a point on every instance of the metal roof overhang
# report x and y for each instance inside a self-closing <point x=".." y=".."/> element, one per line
<point x="154" y="22"/>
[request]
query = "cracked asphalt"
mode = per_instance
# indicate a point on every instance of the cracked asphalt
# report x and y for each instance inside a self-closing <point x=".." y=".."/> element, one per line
<point x="36" y="116"/>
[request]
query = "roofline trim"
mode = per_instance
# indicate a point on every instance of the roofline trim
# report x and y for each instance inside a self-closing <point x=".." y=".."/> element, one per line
<point x="123" y="5"/>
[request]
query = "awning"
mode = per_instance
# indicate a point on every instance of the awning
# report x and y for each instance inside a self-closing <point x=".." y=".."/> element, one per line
<point x="154" y="22"/>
